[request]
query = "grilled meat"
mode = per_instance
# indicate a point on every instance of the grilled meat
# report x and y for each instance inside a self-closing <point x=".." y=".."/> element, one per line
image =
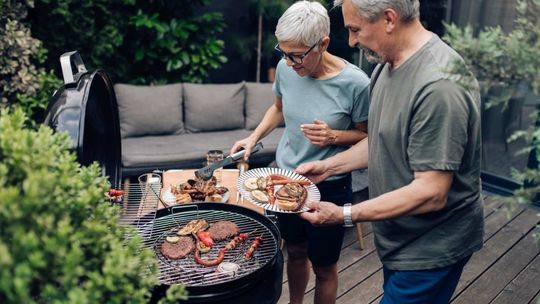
<point x="223" y="230"/>
<point x="178" y="250"/>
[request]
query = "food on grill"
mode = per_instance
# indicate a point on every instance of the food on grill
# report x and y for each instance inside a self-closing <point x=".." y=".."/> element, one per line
<point x="197" y="189"/>
<point x="172" y="239"/>
<point x="256" y="243"/>
<point x="178" y="250"/>
<point x="202" y="247"/>
<point x="228" y="268"/>
<point x="208" y="263"/>
<point x="236" y="241"/>
<point x="204" y="237"/>
<point x="193" y="226"/>
<point x="291" y="197"/>
<point x="223" y="230"/>
<point x="259" y="196"/>
<point x="115" y="195"/>
<point x="251" y="184"/>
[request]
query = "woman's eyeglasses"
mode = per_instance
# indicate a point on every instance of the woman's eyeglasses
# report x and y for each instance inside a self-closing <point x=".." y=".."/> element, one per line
<point x="297" y="59"/>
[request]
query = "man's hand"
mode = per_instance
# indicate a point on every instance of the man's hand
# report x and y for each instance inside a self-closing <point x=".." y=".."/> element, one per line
<point x="315" y="171"/>
<point x="323" y="214"/>
<point x="319" y="133"/>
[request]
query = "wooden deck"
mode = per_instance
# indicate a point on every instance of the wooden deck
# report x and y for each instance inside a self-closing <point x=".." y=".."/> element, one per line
<point x="506" y="270"/>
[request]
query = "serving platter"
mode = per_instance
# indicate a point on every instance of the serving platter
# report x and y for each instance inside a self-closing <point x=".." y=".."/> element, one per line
<point x="313" y="194"/>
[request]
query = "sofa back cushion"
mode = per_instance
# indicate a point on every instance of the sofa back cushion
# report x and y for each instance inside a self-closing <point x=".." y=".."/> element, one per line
<point x="259" y="97"/>
<point x="149" y="110"/>
<point x="210" y="107"/>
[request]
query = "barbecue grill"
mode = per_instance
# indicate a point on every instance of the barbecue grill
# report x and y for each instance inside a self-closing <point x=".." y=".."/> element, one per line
<point x="261" y="273"/>
<point x="85" y="107"/>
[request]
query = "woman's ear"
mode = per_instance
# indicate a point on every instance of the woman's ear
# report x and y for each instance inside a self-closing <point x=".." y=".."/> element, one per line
<point x="323" y="46"/>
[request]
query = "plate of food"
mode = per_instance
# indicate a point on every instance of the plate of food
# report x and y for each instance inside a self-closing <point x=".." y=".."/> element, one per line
<point x="195" y="190"/>
<point x="277" y="190"/>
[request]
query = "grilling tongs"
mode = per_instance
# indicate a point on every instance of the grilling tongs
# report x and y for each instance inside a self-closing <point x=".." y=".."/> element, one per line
<point x="207" y="172"/>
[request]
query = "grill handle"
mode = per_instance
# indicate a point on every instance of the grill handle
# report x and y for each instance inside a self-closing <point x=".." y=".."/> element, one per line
<point x="188" y="206"/>
<point x="66" y="61"/>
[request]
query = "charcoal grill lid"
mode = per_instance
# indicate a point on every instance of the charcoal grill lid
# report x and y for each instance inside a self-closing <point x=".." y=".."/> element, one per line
<point x="85" y="107"/>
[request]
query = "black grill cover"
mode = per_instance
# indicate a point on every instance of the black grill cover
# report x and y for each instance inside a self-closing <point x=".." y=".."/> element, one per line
<point x="86" y="108"/>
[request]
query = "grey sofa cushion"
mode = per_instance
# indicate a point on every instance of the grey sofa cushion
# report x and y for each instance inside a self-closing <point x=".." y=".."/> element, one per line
<point x="210" y="107"/>
<point x="175" y="149"/>
<point x="149" y="110"/>
<point x="259" y="97"/>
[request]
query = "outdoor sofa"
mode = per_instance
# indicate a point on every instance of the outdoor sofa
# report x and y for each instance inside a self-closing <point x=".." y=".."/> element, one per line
<point x="173" y="126"/>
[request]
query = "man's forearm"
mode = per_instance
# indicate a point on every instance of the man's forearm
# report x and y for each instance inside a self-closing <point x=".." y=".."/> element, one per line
<point x="356" y="157"/>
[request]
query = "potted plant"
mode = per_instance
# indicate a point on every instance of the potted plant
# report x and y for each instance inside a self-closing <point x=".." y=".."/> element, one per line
<point x="506" y="64"/>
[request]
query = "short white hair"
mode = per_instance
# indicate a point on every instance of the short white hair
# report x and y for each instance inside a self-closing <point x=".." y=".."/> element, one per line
<point x="305" y="22"/>
<point x="372" y="9"/>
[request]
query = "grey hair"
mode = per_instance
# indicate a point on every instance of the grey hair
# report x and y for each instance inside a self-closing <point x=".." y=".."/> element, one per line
<point x="305" y="22"/>
<point x="372" y="9"/>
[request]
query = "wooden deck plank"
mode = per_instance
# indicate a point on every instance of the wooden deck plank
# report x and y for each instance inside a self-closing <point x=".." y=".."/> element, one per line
<point x="492" y="281"/>
<point x="361" y="283"/>
<point x="524" y="287"/>
<point x="495" y="247"/>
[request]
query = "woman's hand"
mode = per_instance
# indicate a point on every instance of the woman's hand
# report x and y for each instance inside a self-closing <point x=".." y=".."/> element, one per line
<point x="319" y="133"/>
<point x="247" y="143"/>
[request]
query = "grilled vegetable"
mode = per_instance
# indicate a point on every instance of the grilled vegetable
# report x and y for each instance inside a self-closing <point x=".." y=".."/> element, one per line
<point x="205" y="238"/>
<point x="259" y="196"/>
<point x="250" y="184"/>
<point x="172" y="239"/>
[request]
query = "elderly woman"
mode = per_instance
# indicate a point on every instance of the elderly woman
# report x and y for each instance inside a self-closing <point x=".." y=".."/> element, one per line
<point x="323" y="100"/>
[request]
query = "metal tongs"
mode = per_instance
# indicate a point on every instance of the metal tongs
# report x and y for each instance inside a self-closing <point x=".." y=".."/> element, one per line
<point x="207" y="172"/>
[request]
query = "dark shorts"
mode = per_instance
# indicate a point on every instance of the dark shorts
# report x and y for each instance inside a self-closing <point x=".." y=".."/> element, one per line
<point x="434" y="286"/>
<point x="324" y="243"/>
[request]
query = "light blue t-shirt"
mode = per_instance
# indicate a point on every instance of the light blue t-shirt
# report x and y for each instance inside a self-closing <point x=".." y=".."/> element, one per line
<point x="340" y="101"/>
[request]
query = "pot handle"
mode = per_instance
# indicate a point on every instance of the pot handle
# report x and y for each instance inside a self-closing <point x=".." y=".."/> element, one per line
<point x="67" y="62"/>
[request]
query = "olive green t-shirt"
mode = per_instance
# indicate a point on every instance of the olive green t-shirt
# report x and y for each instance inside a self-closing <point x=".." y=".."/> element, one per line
<point x="421" y="120"/>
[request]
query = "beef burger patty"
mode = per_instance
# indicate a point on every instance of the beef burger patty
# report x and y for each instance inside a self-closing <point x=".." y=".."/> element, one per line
<point x="178" y="250"/>
<point x="223" y="230"/>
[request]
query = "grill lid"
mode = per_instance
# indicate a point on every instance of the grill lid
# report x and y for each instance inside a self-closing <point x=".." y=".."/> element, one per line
<point x="85" y="107"/>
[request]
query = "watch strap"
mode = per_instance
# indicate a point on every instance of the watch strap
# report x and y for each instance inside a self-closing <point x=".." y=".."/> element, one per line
<point x="347" y="216"/>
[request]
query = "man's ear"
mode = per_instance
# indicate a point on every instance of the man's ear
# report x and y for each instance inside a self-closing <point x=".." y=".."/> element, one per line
<point x="390" y="18"/>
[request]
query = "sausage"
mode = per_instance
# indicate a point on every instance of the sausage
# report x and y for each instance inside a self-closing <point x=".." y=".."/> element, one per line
<point x="208" y="263"/>
<point x="277" y="177"/>
<point x="290" y="181"/>
<point x="256" y="243"/>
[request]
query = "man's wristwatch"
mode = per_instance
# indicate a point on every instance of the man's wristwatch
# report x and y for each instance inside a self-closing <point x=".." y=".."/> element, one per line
<point x="347" y="216"/>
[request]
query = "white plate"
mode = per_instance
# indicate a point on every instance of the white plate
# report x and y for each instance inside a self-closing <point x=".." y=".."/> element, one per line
<point x="168" y="198"/>
<point x="313" y="194"/>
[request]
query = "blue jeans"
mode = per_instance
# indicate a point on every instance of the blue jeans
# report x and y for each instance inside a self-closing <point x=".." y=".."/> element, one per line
<point x="433" y="286"/>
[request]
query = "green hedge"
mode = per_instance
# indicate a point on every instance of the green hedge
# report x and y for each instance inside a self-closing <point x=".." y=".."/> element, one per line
<point x="60" y="241"/>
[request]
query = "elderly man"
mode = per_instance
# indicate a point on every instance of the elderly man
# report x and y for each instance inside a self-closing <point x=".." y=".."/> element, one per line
<point x="423" y="155"/>
<point x="323" y="101"/>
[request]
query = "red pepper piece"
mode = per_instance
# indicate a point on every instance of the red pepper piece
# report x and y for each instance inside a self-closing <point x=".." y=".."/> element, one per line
<point x="205" y="238"/>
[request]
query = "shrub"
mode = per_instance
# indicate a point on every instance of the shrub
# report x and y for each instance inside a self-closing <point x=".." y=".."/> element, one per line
<point x="60" y="242"/>
<point x="136" y="41"/>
